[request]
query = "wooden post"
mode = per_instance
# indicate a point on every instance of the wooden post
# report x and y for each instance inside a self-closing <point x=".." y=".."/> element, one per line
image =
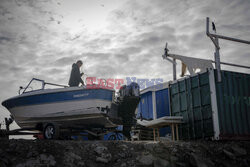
<point x="174" y="69"/>
<point x="158" y="134"/>
<point x="177" y="132"/>
<point x="173" y="134"/>
<point x="154" y="133"/>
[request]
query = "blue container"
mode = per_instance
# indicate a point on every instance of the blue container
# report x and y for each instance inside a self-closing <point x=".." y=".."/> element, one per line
<point x="155" y="98"/>
<point x="162" y="103"/>
<point x="162" y="108"/>
<point x="145" y="107"/>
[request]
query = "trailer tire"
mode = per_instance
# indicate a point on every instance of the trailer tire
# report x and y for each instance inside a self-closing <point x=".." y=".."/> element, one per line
<point x="51" y="131"/>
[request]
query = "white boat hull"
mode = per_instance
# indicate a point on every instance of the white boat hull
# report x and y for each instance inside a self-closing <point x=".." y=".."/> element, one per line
<point x="75" y="112"/>
<point x="67" y="107"/>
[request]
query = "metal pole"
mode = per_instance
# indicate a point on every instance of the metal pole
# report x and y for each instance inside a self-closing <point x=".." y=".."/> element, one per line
<point x="65" y="86"/>
<point x="174" y="69"/>
<point x="7" y="124"/>
<point x="207" y="27"/>
<point x="217" y="60"/>
<point x="230" y="39"/>
<point x="215" y="40"/>
<point x="231" y="64"/>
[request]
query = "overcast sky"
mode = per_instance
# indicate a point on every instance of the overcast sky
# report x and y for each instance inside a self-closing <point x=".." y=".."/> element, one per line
<point x="114" y="38"/>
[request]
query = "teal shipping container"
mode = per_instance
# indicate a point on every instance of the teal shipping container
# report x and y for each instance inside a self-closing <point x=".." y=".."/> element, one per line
<point x="212" y="109"/>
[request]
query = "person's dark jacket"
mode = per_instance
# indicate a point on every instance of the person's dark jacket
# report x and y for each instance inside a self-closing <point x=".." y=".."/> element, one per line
<point x="75" y="76"/>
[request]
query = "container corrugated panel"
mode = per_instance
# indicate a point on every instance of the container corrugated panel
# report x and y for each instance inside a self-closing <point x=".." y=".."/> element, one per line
<point x="233" y="98"/>
<point x="145" y="108"/>
<point x="191" y="98"/>
<point x="162" y="108"/>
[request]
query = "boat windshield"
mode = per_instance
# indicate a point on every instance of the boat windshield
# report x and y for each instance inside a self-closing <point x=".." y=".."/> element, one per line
<point x="35" y="85"/>
<point x="38" y="84"/>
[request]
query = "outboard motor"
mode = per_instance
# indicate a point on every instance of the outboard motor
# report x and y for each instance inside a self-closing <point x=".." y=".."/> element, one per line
<point x="128" y="101"/>
<point x="122" y="91"/>
<point x="132" y="89"/>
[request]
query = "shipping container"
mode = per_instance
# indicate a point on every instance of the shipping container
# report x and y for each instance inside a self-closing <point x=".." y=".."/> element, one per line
<point x="154" y="104"/>
<point x="145" y="107"/>
<point x="212" y="109"/>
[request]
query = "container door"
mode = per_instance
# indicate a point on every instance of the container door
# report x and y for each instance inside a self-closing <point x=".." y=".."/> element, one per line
<point x="162" y="108"/>
<point x="145" y="108"/>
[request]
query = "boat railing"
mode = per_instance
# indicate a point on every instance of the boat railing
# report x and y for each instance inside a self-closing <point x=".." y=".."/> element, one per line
<point x="43" y="85"/>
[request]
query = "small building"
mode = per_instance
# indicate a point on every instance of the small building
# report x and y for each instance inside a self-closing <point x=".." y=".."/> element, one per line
<point x="154" y="104"/>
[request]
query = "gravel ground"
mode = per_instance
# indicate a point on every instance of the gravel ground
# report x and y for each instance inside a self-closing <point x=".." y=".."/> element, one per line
<point x="46" y="153"/>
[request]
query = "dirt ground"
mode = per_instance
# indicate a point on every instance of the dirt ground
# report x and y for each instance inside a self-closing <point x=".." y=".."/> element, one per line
<point x="46" y="153"/>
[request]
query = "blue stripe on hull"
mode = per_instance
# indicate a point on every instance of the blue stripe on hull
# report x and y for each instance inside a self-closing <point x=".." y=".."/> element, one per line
<point x="59" y="97"/>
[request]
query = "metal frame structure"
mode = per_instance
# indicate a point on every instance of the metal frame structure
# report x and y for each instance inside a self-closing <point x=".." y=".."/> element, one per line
<point x="165" y="56"/>
<point x="215" y="40"/>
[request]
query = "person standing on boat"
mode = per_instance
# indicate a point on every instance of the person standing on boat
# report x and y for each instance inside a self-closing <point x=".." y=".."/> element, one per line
<point x="75" y="75"/>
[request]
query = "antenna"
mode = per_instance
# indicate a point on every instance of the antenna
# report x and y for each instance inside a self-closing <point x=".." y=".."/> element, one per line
<point x="165" y="56"/>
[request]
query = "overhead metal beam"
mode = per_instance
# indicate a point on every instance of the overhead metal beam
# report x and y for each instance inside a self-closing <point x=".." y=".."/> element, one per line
<point x="230" y="38"/>
<point x="236" y="65"/>
<point x="223" y="37"/>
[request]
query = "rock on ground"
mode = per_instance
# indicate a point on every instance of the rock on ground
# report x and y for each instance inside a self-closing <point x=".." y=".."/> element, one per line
<point x="31" y="153"/>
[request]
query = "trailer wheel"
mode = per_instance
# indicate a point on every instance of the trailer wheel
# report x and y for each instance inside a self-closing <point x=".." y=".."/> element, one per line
<point x="51" y="131"/>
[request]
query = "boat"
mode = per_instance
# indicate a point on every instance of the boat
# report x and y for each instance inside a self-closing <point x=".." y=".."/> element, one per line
<point x="69" y="107"/>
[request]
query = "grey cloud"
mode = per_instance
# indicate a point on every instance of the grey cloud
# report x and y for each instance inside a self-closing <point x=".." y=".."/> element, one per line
<point x="130" y="50"/>
<point x="16" y="69"/>
<point x="149" y="40"/>
<point x="98" y="43"/>
<point x="235" y="29"/>
<point x="118" y="14"/>
<point x="103" y="71"/>
<point x="97" y="56"/>
<point x="4" y="39"/>
<point x="122" y="58"/>
<point x="124" y="53"/>
<point x="55" y="71"/>
<point x="65" y="61"/>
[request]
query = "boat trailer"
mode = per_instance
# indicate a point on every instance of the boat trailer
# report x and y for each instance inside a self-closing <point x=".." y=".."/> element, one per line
<point x="63" y="134"/>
